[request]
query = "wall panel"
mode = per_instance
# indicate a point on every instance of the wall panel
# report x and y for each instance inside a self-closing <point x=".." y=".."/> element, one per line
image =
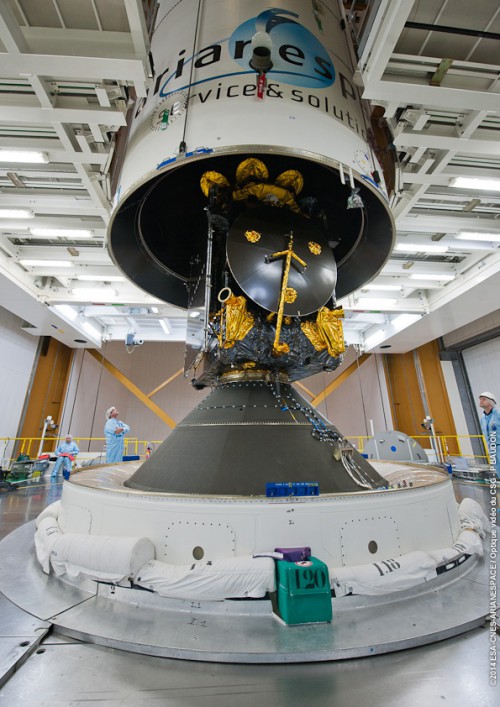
<point x="17" y="357"/>
<point x="93" y="389"/>
<point x="482" y="363"/>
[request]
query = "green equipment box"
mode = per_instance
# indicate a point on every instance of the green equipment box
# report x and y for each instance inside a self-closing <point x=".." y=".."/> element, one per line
<point x="304" y="594"/>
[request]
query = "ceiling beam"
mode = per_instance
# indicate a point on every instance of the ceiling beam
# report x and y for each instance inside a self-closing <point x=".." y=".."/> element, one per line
<point x="94" y="189"/>
<point x="46" y="116"/>
<point x="10" y="32"/>
<point x="87" y="254"/>
<point x="376" y="54"/>
<point x="137" y="25"/>
<point x="408" y="138"/>
<point x="42" y="91"/>
<point x="431" y="96"/>
<point x="76" y="68"/>
<point x="442" y="179"/>
<point x="421" y="223"/>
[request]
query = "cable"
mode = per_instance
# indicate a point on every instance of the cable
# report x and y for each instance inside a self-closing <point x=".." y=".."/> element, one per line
<point x="381" y="395"/>
<point x="76" y="391"/>
<point x="97" y="396"/>
<point x="182" y="145"/>
<point x="361" y="391"/>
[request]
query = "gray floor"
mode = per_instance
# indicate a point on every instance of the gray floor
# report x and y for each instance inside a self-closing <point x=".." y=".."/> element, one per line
<point x="44" y="669"/>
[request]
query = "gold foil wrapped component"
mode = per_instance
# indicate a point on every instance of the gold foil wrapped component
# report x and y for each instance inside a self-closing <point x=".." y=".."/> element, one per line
<point x="315" y="248"/>
<point x="252" y="236"/>
<point x="280" y="348"/>
<point x="290" y="295"/>
<point x="292" y="180"/>
<point x="210" y="179"/>
<point x="268" y="194"/>
<point x="236" y="322"/>
<point x="326" y="332"/>
<point x="251" y="169"/>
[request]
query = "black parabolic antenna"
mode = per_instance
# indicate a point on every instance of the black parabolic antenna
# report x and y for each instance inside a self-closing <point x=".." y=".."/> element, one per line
<point x="257" y="247"/>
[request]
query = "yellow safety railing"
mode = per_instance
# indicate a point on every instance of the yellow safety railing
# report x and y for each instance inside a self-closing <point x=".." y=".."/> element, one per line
<point x="12" y="447"/>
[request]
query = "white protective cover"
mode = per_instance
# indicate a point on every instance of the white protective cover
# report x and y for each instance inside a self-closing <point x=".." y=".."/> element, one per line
<point x="237" y="577"/>
<point x="98" y="557"/>
<point x="468" y="543"/>
<point x="383" y="576"/>
<point x="51" y="511"/>
<point x="406" y="571"/>
<point x="46" y="535"/>
<point x="472" y="516"/>
<point x="474" y="526"/>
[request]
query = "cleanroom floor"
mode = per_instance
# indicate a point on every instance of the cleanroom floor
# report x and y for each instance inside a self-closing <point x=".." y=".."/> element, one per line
<point x="61" y="671"/>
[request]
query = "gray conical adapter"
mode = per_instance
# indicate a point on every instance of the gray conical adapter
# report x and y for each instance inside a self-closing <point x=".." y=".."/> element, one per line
<point x="246" y="434"/>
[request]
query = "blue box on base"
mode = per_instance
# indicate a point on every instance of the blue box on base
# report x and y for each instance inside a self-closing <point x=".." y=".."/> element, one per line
<point x="131" y="458"/>
<point x="292" y="488"/>
<point x="304" y="594"/>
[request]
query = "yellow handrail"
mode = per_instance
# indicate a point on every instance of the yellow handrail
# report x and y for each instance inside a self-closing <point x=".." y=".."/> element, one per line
<point x="12" y="447"/>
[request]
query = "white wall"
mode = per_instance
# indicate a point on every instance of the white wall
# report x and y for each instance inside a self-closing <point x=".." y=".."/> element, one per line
<point x="17" y="357"/>
<point x="483" y="369"/>
<point x="362" y="397"/>
<point x="92" y="389"/>
<point x="456" y="406"/>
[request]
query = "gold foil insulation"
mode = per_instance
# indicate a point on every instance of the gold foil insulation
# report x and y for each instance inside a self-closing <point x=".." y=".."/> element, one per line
<point x="326" y="332"/>
<point x="236" y="322"/>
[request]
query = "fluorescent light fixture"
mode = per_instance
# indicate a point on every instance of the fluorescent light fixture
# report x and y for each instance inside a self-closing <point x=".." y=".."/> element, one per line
<point x="100" y="278"/>
<point x="431" y="276"/>
<point x="420" y="248"/>
<point x="94" y="293"/>
<point x="164" y="326"/>
<point x="47" y="263"/>
<point x="91" y="330"/>
<point x="375" y="339"/>
<point x="23" y="156"/>
<point x="76" y="233"/>
<point x="478" y="236"/>
<point x="67" y="311"/>
<point x="382" y="287"/>
<point x="475" y="183"/>
<point x="376" y="301"/>
<point x="16" y="213"/>
<point x="404" y="320"/>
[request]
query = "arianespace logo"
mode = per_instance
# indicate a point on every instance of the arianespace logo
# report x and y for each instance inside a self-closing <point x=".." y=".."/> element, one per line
<point x="298" y="57"/>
